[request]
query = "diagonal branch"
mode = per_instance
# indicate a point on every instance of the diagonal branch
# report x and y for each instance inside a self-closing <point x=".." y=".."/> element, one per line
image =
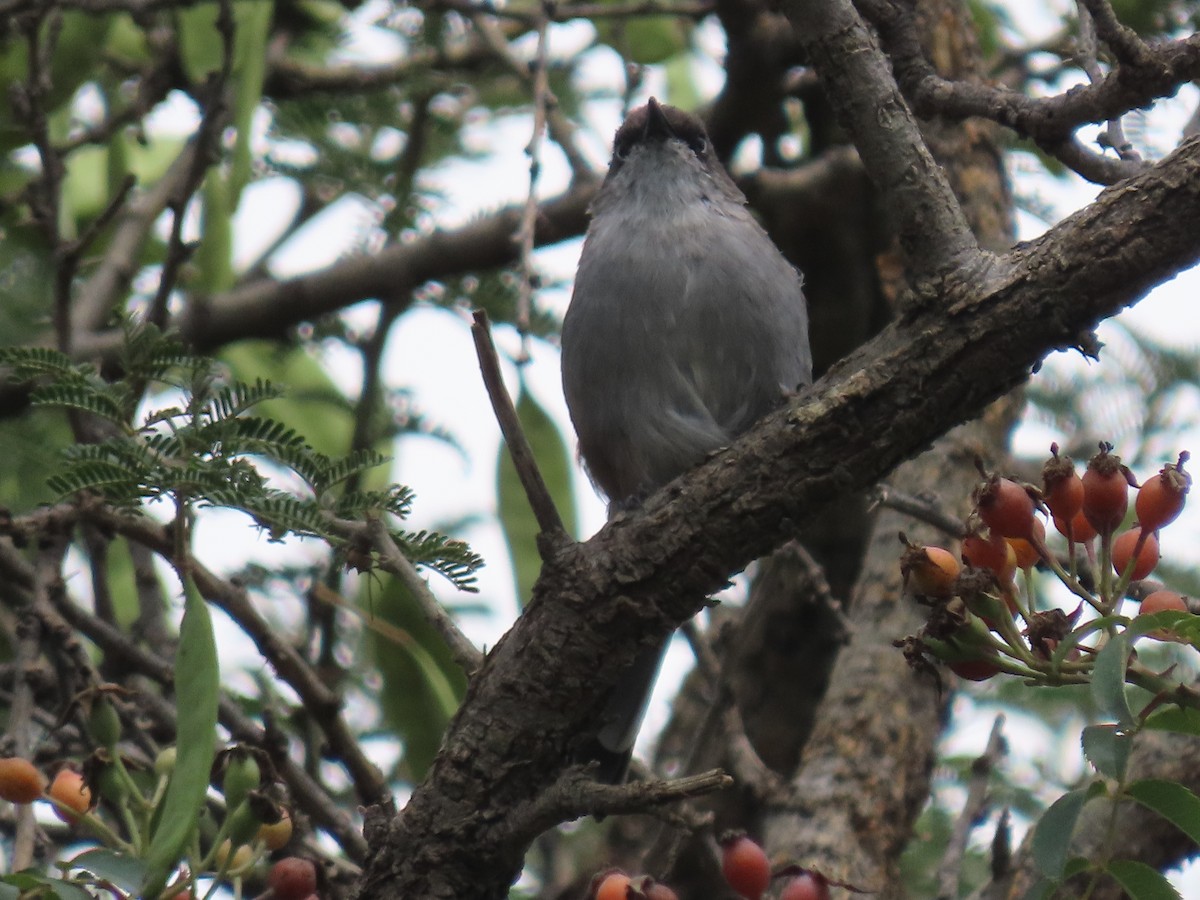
<point x="598" y="603"/>
<point x="268" y="308"/>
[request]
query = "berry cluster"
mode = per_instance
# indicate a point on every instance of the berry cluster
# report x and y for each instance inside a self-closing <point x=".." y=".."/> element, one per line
<point x="746" y="869"/>
<point x="117" y="804"/>
<point x="976" y="606"/>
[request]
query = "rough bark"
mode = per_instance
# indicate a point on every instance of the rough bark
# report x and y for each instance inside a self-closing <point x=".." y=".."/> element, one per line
<point x="465" y="830"/>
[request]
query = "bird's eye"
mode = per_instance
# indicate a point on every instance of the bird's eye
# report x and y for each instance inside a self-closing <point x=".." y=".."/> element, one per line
<point x="621" y="150"/>
<point x="699" y="144"/>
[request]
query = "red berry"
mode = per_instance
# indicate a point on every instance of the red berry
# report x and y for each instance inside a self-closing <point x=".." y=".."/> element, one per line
<point x="1005" y="507"/>
<point x="1105" y="491"/>
<point x="745" y="866"/>
<point x="974" y="669"/>
<point x="990" y="553"/>
<point x="1160" y="500"/>
<point x="1062" y="489"/>
<point x="20" y="780"/>
<point x="293" y="878"/>
<point x="1124" y="547"/>
<point x="1081" y="529"/>
<point x="806" y="886"/>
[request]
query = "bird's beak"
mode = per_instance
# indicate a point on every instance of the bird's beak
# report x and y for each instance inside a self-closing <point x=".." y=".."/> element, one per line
<point x="657" y="125"/>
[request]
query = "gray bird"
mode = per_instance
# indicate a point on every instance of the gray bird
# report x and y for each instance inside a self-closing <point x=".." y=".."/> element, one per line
<point x="686" y="326"/>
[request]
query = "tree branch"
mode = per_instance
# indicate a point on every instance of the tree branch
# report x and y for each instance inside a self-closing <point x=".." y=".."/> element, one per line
<point x="857" y="79"/>
<point x="596" y="604"/>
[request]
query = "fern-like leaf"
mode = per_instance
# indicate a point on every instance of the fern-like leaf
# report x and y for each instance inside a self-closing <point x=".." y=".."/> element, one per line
<point x="338" y="470"/>
<point x="238" y="398"/>
<point x="108" y="478"/>
<point x="450" y="558"/>
<point x="397" y="500"/>
<point x="82" y="397"/>
<point x="32" y="362"/>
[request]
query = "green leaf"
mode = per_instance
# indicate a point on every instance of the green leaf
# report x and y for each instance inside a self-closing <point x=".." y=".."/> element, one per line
<point x="199" y="42"/>
<point x="313" y="406"/>
<point x="422" y="685"/>
<point x="214" y="256"/>
<point x="85" y="188"/>
<point x="516" y="518"/>
<point x="1140" y="881"/>
<point x="1172" y="801"/>
<point x="1040" y="890"/>
<point x="253" y="29"/>
<point x="30" y="884"/>
<point x="1108" y="680"/>
<point x="1179" y="719"/>
<point x="123" y="870"/>
<point x="646" y="40"/>
<point x="1052" y="836"/>
<point x="1107" y="748"/>
<point x="197" y="690"/>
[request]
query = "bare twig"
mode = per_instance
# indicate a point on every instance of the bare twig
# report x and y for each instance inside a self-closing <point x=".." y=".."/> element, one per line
<point x="207" y="138"/>
<point x="972" y="814"/>
<point x="99" y="293"/>
<point x="928" y="511"/>
<point x="562" y="131"/>
<point x="544" y="510"/>
<point x="748" y="767"/>
<point x="543" y="101"/>
<point x="576" y="793"/>
<point x="1114" y="133"/>
<point x="1126" y="45"/>
<point x="857" y="77"/>
<point x="464" y="653"/>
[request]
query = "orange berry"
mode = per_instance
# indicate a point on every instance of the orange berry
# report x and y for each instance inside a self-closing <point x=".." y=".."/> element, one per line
<point x="1160" y="500"/>
<point x="1028" y="555"/>
<point x="69" y="789"/>
<point x="806" y="886"/>
<point x="1081" y="530"/>
<point x="929" y="571"/>
<point x="745" y="866"/>
<point x="1005" y="507"/>
<point x="1062" y="488"/>
<point x="20" y="780"/>
<point x="1126" y="544"/>
<point x="990" y="553"/>
<point x="614" y="886"/>
<point x="1159" y="601"/>
<point x="1105" y="491"/>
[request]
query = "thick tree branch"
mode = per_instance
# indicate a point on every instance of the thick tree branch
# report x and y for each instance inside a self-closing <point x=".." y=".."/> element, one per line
<point x="858" y="81"/>
<point x="1146" y="73"/>
<point x="543" y="686"/>
<point x="268" y="308"/>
